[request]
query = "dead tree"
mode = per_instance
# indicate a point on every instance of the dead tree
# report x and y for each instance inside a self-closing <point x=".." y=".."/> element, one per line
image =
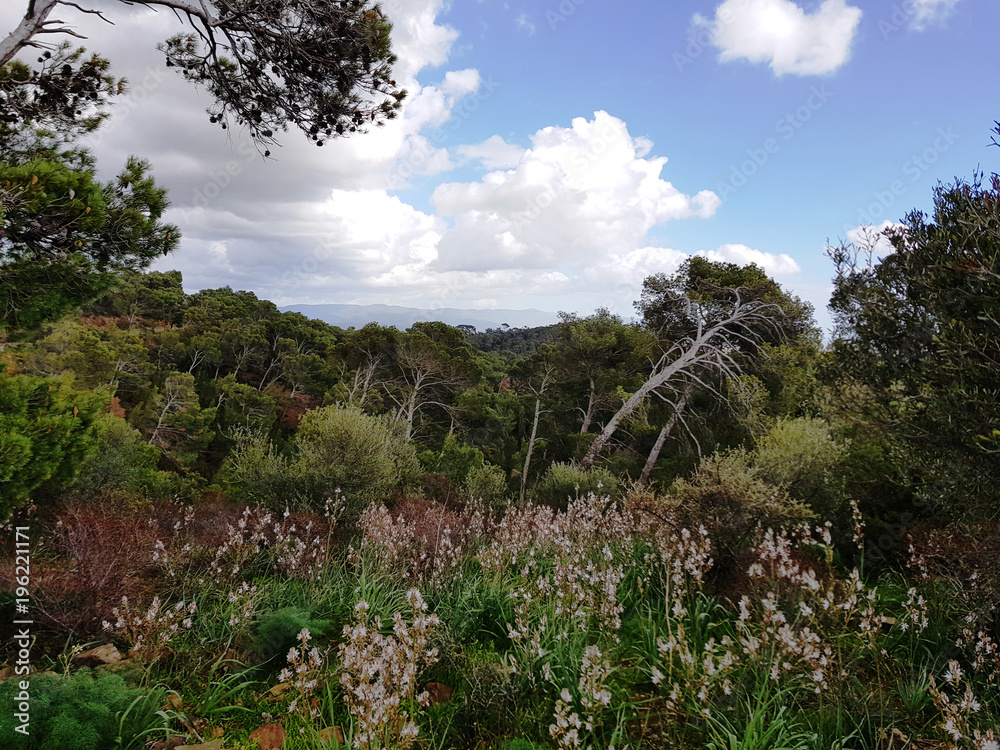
<point x="713" y="347"/>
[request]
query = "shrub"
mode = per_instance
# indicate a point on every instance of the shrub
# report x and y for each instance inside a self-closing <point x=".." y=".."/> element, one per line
<point x="727" y="495"/>
<point x="564" y="481"/>
<point x="365" y="456"/>
<point x="277" y="631"/>
<point x="123" y="461"/>
<point x="798" y="455"/>
<point x="487" y="483"/>
<point x="81" y="712"/>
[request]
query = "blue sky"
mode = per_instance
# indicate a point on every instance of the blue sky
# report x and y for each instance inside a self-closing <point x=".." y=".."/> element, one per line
<point x="551" y="155"/>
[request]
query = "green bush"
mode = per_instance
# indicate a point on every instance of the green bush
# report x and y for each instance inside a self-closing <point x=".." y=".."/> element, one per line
<point x="365" y="456"/>
<point x="81" y="712"/>
<point x="278" y="631"/>
<point x="563" y="482"/>
<point x="799" y="456"/>
<point x="727" y="495"/>
<point x="122" y="460"/>
<point x="487" y="483"/>
<point x="46" y="430"/>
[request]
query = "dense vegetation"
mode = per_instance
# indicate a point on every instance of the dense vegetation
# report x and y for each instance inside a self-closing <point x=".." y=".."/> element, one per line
<point x="389" y="538"/>
<point x="702" y="528"/>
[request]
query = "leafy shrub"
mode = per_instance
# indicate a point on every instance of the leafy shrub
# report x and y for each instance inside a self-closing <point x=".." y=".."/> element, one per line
<point x="487" y="483"/>
<point x="455" y="459"/>
<point x="122" y="460"/>
<point x="278" y="631"/>
<point x="337" y="447"/>
<point x="45" y="431"/>
<point x="728" y="495"/>
<point x="564" y="481"/>
<point x="81" y="712"/>
<point x="366" y="456"/>
<point x="799" y="455"/>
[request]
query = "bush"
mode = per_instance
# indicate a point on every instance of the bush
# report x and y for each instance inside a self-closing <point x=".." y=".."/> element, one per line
<point x="81" y="712"/>
<point x="278" y="631"/>
<point x="487" y="483"/>
<point x="727" y="495"/>
<point x="366" y="456"/>
<point x="564" y="481"/>
<point x="123" y="461"/>
<point x="799" y="455"/>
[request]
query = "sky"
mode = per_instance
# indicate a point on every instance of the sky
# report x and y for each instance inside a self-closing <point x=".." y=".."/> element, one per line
<point x="553" y="154"/>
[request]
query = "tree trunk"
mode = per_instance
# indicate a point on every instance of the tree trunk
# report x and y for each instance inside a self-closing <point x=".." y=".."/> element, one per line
<point x="531" y="446"/>
<point x="588" y="415"/>
<point x="700" y="351"/>
<point x="30" y="25"/>
<point x="662" y="439"/>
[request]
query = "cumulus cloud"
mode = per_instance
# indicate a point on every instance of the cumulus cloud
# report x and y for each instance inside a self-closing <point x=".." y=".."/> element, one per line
<point x="783" y="35"/>
<point x="493" y="153"/>
<point x="781" y="264"/>
<point x="576" y="194"/>
<point x="929" y="12"/>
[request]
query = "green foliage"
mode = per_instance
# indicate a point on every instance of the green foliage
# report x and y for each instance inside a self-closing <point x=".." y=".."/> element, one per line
<point x="66" y="234"/>
<point x="45" y="433"/>
<point x="921" y="327"/>
<point x="455" y="460"/>
<point x="728" y="495"/>
<point x="563" y="481"/>
<point x="122" y="460"/>
<point x="82" y="712"/>
<point x="364" y="455"/>
<point x="800" y="455"/>
<point x="488" y="483"/>
<point x="277" y="631"/>
<point x="337" y="447"/>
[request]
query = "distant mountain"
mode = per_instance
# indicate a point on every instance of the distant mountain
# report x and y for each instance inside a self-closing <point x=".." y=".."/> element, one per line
<point x="348" y="316"/>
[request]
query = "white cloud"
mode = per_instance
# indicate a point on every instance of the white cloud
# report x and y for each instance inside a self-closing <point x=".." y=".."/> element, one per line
<point x="493" y="153"/>
<point x="781" y="34"/>
<point x="781" y="264"/>
<point x="928" y="12"/>
<point x="577" y="194"/>
<point x="872" y="237"/>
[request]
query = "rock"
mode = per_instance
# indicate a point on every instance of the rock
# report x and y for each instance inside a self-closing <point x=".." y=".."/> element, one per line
<point x="106" y="654"/>
<point x="269" y="736"/>
<point x="213" y="745"/>
<point x="331" y="736"/>
<point x="438" y="693"/>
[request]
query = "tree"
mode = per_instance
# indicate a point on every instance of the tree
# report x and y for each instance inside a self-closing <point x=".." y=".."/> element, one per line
<point x="534" y="376"/>
<point x="324" y="66"/>
<point x="594" y="351"/>
<point x="63" y="235"/>
<point x="45" y="433"/>
<point x="921" y="327"/>
<point x="707" y="318"/>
